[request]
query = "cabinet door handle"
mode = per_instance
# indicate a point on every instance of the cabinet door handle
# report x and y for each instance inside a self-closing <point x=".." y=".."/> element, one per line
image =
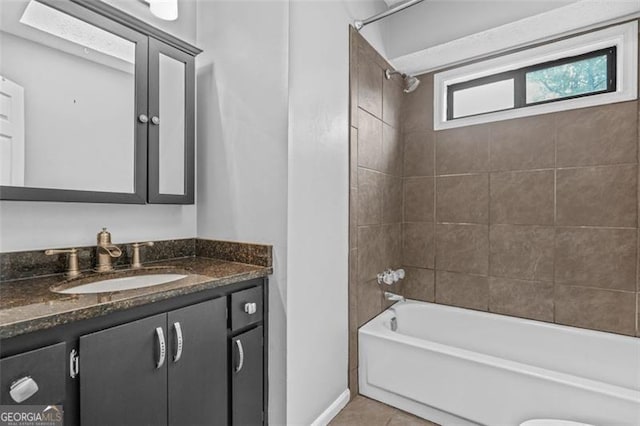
<point x="155" y="120"/>
<point x="178" y="331"/>
<point x="161" y="347"/>
<point x="241" y="355"/>
<point x="143" y="118"/>
<point x="250" y="308"/>
<point x="23" y="389"/>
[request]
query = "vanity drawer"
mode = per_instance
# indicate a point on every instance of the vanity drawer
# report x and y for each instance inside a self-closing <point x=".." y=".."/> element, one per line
<point x="246" y="307"/>
<point x="46" y="367"/>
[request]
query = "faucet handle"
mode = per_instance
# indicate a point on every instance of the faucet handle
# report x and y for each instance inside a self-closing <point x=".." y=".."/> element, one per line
<point x="135" y="256"/>
<point x="73" y="270"/>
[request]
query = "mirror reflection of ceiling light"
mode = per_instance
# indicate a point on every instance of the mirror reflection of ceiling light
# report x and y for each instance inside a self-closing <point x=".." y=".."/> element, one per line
<point x="164" y="9"/>
<point x="59" y="24"/>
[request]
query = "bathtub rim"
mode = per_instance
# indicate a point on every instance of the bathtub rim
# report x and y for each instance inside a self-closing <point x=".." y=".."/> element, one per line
<point x="376" y="328"/>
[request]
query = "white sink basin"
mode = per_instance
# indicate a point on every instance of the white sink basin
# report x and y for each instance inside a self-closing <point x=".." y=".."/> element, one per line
<point x="124" y="283"/>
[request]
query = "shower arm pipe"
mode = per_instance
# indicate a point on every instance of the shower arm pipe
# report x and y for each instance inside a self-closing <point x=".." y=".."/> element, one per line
<point x="359" y="24"/>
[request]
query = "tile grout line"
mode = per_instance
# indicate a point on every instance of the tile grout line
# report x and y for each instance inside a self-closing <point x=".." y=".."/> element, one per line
<point x="555" y="209"/>
<point x="489" y="256"/>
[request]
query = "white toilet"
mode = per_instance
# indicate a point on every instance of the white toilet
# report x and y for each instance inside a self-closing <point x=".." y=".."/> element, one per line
<point x="552" y="422"/>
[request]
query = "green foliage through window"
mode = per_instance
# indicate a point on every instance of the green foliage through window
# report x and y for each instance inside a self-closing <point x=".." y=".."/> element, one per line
<point x="571" y="79"/>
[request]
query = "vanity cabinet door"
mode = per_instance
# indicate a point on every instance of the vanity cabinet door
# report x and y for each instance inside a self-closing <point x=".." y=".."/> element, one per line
<point x="42" y="373"/>
<point x="197" y="359"/>
<point x="123" y="379"/>
<point x="171" y="125"/>
<point x="247" y="378"/>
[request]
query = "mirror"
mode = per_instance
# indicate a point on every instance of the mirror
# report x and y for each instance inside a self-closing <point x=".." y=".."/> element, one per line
<point x="172" y="78"/>
<point x="67" y="102"/>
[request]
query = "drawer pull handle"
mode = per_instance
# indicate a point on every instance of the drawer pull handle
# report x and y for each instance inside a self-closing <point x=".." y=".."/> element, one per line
<point x="250" y="308"/>
<point x="161" y="347"/>
<point x="178" y="330"/>
<point x="23" y="389"/>
<point x="241" y="356"/>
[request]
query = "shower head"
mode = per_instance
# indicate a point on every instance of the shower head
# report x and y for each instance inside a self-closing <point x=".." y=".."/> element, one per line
<point x="411" y="83"/>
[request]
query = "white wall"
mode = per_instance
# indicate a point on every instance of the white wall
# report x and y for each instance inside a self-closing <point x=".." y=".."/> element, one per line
<point x="184" y="27"/>
<point x="36" y="225"/>
<point x="317" y="289"/>
<point x="273" y="167"/>
<point x="242" y="145"/>
<point x="434" y="22"/>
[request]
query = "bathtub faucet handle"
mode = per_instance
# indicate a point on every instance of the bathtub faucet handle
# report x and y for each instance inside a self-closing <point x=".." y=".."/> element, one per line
<point x="390" y="276"/>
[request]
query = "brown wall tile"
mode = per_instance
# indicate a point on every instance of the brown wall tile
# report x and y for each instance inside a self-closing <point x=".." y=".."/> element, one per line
<point x="370" y="187"/>
<point x="392" y="199"/>
<point x="391" y="151"/>
<point x="419" y="284"/>
<point x="466" y="291"/>
<point x="526" y="299"/>
<point x="353" y="218"/>
<point x="369" y="141"/>
<point x="418" y="199"/>
<point x="606" y="134"/>
<point x="369" y="300"/>
<point x="391" y="101"/>
<point x="370" y="77"/>
<point x="463" y="199"/>
<point x="604" y="258"/>
<point x="353" y="77"/>
<point x="419" y="154"/>
<point x="523" y="252"/>
<point x="418" y="244"/>
<point x="353" y="383"/>
<point x="525" y="198"/>
<point x="597" y="309"/>
<point x="353" y="158"/>
<point x="597" y="196"/>
<point x="392" y="254"/>
<point x="462" y="150"/>
<point x="417" y="107"/>
<point x="462" y="248"/>
<point x="524" y="143"/>
<point x="371" y="252"/>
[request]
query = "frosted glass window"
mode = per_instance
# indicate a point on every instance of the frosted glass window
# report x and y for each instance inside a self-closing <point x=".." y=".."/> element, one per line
<point x="483" y="98"/>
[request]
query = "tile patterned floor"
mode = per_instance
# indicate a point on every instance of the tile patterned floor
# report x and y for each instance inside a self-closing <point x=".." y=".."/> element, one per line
<point x="362" y="411"/>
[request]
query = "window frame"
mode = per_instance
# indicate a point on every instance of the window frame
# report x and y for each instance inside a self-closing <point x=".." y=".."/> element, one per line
<point x="519" y="77"/>
<point x="624" y="87"/>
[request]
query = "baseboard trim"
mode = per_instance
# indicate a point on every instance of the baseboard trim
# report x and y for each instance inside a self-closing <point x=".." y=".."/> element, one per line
<point x="332" y="410"/>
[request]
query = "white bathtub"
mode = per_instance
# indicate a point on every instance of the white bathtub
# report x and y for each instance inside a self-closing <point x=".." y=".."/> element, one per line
<point x="457" y="366"/>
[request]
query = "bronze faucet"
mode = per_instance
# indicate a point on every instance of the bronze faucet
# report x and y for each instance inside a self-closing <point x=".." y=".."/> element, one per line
<point x="105" y="251"/>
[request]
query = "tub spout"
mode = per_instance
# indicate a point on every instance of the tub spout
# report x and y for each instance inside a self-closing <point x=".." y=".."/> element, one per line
<point x="394" y="297"/>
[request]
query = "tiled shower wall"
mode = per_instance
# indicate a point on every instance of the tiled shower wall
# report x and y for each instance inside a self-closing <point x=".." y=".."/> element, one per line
<point x="534" y="217"/>
<point x="375" y="187"/>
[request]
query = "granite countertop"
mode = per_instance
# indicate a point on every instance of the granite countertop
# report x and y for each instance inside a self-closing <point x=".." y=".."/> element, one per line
<point x="28" y="305"/>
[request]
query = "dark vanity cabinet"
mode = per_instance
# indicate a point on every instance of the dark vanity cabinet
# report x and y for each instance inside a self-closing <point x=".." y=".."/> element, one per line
<point x="178" y="359"/>
<point x="34" y="377"/>
<point x="197" y="359"/>
<point x="247" y="378"/>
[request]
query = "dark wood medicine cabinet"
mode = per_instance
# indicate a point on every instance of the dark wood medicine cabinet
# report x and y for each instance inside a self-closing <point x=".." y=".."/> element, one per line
<point x="131" y="149"/>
